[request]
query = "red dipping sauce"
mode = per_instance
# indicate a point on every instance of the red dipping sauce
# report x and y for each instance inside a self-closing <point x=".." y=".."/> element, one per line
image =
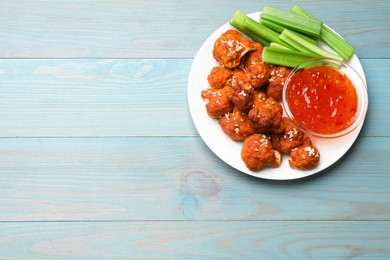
<point x="322" y="99"/>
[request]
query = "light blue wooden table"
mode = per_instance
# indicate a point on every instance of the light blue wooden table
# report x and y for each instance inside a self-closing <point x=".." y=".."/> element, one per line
<point x="100" y="159"/>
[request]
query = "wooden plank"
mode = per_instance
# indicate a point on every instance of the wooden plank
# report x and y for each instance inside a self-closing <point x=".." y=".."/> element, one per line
<point x="131" y="29"/>
<point x="378" y="108"/>
<point x="141" y="97"/>
<point x="195" y="240"/>
<point x="75" y="179"/>
<point x="94" y="97"/>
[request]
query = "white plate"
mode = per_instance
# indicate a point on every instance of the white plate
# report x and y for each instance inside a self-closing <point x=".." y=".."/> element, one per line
<point x="230" y="151"/>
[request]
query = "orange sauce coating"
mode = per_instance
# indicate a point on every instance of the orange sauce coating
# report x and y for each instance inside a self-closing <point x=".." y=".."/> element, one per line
<point x="322" y="99"/>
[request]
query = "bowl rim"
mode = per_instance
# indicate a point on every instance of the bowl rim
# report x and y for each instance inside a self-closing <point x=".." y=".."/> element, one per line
<point x="361" y="90"/>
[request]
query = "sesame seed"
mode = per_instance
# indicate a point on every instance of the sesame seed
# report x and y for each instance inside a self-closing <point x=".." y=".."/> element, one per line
<point x="239" y="46"/>
<point x="311" y="151"/>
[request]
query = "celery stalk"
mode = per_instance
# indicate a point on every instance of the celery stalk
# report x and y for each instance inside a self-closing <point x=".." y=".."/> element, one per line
<point x="297" y="46"/>
<point x="241" y="20"/>
<point x="256" y="38"/>
<point x="277" y="45"/>
<point x="288" y="58"/>
<point x="273" y="26"/>
<point x="299" y="10"/>
<point x="238" y="22"/>
<point x="279" y="29"/>
<point x="292" y="21"/>
<point x="290" y="36"/>
<point x="332" y="39"/>
<point x="338" y="44"/>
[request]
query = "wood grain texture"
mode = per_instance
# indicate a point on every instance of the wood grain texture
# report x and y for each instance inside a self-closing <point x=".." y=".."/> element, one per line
<point x="136" y="97"/>
<point x="99" y="157"/>
<point x="196" y="240"/>
<point x="118" y="179"/>
<point x="175" y="29"/>
<point x="94" y="98"/>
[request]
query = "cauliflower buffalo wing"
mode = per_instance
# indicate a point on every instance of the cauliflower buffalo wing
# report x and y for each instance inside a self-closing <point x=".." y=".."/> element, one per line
<point x="236" y="125"/>
<point x="219" y="77"/>
<point x="256" y="70"/>
<point x="291" y="137"/>
<point x="304" y="157"/>
<point x="218" y="101"/>
<point x="257" y="152"/>
<point x="242" y="91"/>
<point x="278" y="75"/>
<point x="230" y="47"/>
<point x="265" y="115"/>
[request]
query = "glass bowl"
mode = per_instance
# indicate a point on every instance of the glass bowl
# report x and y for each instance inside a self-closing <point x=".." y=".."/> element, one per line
<point x="345" y="69"/>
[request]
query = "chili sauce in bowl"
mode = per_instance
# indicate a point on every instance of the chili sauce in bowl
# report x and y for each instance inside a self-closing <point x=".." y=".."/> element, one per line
<point x="325" y="97"/>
